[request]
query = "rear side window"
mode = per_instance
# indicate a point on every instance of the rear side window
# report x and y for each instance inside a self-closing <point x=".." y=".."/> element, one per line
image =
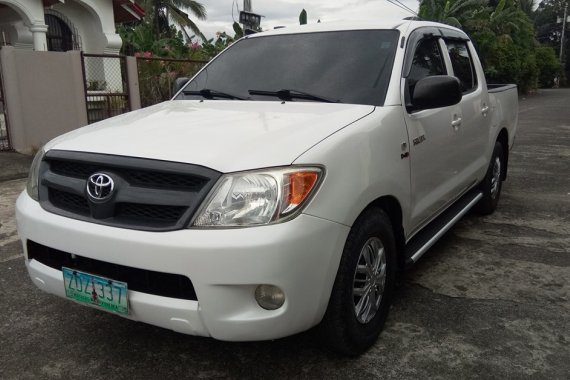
<point x="462" y="64"/>
<point x="427" y="62"/>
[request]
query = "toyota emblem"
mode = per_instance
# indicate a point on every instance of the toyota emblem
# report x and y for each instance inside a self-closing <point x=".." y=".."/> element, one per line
<point x="100" y="186"/>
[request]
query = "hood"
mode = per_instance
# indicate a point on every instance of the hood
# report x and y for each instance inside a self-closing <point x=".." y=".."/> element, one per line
<point x="223" y="135"/>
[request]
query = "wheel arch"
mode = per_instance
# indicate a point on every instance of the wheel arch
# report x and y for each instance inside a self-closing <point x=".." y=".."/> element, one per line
<point x="503" y="138"/>
<point x="391" y="206"/>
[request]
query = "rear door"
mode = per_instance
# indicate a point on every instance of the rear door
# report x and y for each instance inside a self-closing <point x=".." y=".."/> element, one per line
<point x="473" y="128"/>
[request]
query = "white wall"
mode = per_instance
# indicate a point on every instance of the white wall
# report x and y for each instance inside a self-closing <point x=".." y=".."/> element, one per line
<point x="93" y="19"/>
<point x="31" y="11"/>
<point x="17" y="18"/>
<point x="39" y="106"/>
<point x="95" y="24"/>
<point x="13" y="30"/>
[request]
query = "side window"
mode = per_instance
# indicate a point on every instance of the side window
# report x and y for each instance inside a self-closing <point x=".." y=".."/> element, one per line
<point x="427" y="62"/>
<point x="462" y="64"/>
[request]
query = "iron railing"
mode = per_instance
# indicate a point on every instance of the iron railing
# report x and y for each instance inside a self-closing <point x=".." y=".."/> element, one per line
<point x="4" y="131"/>
<point x="157" y="75"/>
<point x="106" y="86"/>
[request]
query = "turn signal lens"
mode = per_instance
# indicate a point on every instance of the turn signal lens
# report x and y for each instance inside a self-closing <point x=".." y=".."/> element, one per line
<point x="300" y="186"/>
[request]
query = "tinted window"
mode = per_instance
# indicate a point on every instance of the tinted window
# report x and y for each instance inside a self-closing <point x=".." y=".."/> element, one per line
<point x="427" y="62"/>
<point x="351" y="66"/>
<point x="462" y="64"/>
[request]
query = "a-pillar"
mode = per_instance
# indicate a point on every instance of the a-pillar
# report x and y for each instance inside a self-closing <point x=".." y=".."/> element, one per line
<point x="39" y="35"/>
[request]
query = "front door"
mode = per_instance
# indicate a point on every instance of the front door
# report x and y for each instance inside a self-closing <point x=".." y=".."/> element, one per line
<point x="433" y="139"/>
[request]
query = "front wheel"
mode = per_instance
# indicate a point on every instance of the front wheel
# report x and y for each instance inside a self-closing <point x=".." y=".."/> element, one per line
<point x="363" y="287"/>
<point x="492" y="183"/>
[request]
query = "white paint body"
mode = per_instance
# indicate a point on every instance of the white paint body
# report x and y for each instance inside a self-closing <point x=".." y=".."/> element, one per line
<point x="360" y="148"/>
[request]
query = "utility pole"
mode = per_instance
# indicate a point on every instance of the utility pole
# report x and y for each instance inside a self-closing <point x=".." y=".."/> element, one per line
<point x="248" y="19"/>
<point x="563" y="31"/>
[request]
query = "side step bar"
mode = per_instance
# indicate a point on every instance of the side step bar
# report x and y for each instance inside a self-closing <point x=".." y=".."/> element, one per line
<point x="431" y="233"/>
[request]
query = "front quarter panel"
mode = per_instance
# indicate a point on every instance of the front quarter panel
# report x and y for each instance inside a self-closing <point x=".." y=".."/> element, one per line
<point x="363" y="161"/>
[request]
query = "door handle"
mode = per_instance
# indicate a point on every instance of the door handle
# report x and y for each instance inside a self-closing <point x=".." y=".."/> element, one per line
<point x="485" y="109"/>
<point x="456" y="122"/>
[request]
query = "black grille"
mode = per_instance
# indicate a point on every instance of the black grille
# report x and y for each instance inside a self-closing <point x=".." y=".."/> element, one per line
<point x="137" y="177"/>
<point x="153" y="179"/>
<point x="140" y="280"/>
<point x="163" y="213"/>
<point x="72" y="169"/>
<point x="149" y="195"/>
<point x="69" y="201"/>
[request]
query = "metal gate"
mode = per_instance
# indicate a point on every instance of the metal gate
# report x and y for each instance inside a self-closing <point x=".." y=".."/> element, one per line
<point x="4" y="133"/>
<point x="156" y="76"/>
<point x="106" y="86"/>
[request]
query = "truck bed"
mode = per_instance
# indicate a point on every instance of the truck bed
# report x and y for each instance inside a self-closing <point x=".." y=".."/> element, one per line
<point x="504" y="102"/>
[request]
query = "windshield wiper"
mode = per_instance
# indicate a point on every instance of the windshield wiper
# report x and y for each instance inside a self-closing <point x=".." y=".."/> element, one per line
<point x="211" y="94"/>
<point x="288" y="95"/>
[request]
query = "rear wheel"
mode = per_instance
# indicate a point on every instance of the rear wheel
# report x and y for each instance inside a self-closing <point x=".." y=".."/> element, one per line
<point x="363" y="287"/>
<point x="492" y="183"/>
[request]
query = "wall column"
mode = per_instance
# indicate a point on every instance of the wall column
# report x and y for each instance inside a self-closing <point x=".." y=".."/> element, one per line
<point x="39" y="34"/>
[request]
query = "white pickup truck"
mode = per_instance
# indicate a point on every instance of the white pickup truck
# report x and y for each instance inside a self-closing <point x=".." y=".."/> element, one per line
<point x="283" y="187"/>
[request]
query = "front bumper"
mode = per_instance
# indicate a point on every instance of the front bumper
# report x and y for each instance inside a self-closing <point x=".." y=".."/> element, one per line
<point x="300" y="256"/>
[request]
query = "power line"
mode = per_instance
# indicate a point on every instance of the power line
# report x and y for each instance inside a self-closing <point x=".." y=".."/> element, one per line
<point x="402" y="6"/>
<point x="236" y="6"/>
<point x="397" y="5"/>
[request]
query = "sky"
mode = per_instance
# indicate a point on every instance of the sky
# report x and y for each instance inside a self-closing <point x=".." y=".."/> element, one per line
<point x="286" y="12"/>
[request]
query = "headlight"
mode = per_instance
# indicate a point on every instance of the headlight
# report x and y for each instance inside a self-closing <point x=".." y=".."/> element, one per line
<point x="32" y="185"/>
<point x="258" y="197"/>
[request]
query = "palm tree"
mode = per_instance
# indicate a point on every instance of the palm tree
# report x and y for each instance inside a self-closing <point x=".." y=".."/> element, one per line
<point x="161" y="13"/>
<point x="508" y="18"/>
<point x="451" y="12"/>
<point x="527" y="6"/>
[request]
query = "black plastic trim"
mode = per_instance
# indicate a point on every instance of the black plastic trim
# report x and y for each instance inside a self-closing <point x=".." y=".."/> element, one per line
<point x="427" y="32"/>
<point x="140" y="280"/>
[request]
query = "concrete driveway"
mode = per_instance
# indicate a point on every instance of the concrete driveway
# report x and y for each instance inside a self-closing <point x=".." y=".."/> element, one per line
<point x="490" y="300"/>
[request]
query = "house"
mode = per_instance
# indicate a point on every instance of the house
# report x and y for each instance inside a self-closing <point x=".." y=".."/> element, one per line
<point x="39" y="37"/>
<point x="63" y="25"/>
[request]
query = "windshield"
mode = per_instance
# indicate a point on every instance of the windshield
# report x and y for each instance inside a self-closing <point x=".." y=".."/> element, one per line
<point x="343" y="66"/>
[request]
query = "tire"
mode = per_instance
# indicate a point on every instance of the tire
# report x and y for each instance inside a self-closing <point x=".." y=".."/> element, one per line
<point x="492" y="183"/>
<point x="343" y="329"/>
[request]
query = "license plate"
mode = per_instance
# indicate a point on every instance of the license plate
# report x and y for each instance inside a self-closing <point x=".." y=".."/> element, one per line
<point x="95" y="290"/>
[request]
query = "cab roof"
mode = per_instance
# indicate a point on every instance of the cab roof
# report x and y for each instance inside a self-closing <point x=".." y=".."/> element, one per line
<point x="404" y="26"/>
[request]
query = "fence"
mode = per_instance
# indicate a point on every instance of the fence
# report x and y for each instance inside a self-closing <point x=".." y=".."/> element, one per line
<point x="4" y="137"/>
<point x="106" y="86"/>
<point x="156" y="76"/>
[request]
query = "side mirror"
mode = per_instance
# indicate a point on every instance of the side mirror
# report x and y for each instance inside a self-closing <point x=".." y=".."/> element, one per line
<point x="179" y="83"/>
<point x="436" y="92"/>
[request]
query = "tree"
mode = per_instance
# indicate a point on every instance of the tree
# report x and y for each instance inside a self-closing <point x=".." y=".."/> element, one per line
<point x="303" y="17"/>
<point x="161" y="13"/>
<point x="501" y="31"/>
<point x="212" y="47"/>
<point x="505" y="39"/>
<point x="548" y="24"/>
<point x="548" y="17"/>
<point x="508" y="18"/>
<point x="527" y="6"/>
<point x="548" y="66"/>
<point x="450" y="12"/>
<point x="139" y="39"/>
